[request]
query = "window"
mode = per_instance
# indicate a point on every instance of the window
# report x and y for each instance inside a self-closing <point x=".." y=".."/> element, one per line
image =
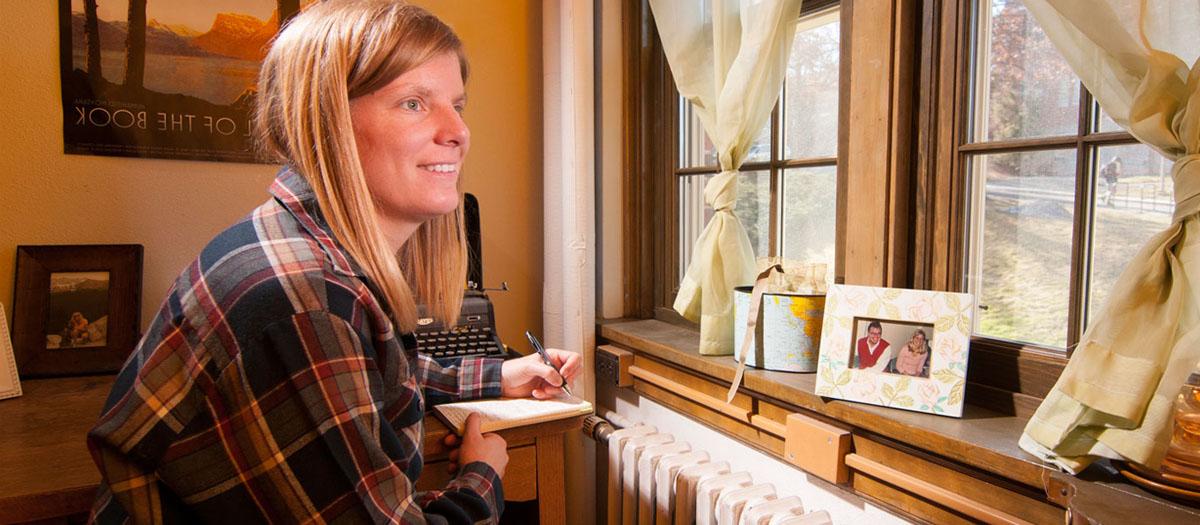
<point x="787" y="186"/>
<point x="1059" y="198"/>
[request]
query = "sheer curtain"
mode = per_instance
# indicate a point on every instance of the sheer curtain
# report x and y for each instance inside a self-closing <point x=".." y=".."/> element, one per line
<point x="1138" y="58"/>
<point x="728" y="58"/>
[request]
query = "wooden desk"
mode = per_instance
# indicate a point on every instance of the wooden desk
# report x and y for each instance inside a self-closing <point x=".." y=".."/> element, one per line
<point x="535" y="464"/>
<point x="46" y="471"/>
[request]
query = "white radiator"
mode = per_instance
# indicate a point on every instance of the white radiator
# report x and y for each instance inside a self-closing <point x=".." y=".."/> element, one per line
<point x="654" y="478"/>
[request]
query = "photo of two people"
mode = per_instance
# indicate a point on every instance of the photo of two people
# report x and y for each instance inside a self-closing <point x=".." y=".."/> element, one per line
<point x="892" y="347"/>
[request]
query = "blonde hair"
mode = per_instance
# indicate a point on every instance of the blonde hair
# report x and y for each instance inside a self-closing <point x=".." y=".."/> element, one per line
<point x="327" y="55"/>
<point x="924" y="341"/>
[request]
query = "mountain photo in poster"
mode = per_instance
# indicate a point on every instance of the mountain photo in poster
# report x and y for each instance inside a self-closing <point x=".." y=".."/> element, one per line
<point x="170" y="79"/>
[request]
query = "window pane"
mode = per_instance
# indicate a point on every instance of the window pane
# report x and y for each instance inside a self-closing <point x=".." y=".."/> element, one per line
<point x="1026" y="88"/>
<point x="1134" y="201"/>
<point x="810" y="110"/>
<point x="695" y="150"/>
<point x="1106" y="122"/>
<point x="810" y="214"/>
<point x="760" y="149"/>
<point x="693" y="215"/>
<point x="753" y="209"/>
<point x="1022" y="219"/>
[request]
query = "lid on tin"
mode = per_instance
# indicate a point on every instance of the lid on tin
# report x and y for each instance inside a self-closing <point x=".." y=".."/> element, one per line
<point x="795" y="294"/>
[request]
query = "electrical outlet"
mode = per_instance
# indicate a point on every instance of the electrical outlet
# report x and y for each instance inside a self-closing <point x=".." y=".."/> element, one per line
<point x="608" y="369"/>
<point x="612" y="366"/>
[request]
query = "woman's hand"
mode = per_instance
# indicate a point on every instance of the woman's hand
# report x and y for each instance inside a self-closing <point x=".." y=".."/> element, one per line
<point x="488" y="448"/>
<point x="528" y="375"/>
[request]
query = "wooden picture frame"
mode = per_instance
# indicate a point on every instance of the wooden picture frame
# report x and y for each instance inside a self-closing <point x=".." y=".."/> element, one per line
<point x="858" y="365"/>
<point x="76" y="308"/>
<point x="10" y="383"/>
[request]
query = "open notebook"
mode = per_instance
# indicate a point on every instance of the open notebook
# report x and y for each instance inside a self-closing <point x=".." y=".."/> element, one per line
<point x="499" y="414"/>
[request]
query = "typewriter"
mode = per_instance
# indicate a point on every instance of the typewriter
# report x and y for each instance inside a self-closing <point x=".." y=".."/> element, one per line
<point x="474" y="335"/>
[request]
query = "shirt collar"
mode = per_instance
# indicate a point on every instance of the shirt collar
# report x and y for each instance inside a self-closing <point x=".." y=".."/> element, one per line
<point x="293" y="192"/>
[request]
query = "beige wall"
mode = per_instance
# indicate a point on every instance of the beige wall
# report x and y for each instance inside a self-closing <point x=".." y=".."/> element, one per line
<point x="504" y="169"/>
<point x="174" y="207"/>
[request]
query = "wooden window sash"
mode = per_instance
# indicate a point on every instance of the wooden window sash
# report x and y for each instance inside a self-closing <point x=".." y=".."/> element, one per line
<point x="774" y="167"/>
<point x="1085" y="141"/>
<point x="1010" y="372"/>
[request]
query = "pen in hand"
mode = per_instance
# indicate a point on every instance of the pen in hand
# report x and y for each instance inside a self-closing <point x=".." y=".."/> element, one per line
<point x="537" y="346"/>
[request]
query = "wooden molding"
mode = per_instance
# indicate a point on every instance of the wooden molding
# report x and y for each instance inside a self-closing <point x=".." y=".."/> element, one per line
<point x="708" y="401"/>
<point x="940" y="495"/>
<point x="636" y="187"/>
<point x="817" y="447"/>
<point x="879" y="123"/>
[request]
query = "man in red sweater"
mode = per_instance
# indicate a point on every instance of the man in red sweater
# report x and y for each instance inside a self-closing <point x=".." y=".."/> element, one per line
<point x="871" y="347"/>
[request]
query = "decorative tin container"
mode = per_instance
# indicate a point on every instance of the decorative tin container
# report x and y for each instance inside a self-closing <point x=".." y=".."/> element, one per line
<point x="788" y="333"/>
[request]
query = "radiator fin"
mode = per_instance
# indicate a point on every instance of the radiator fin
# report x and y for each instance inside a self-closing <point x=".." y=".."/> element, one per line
<point x="655" y="480"/>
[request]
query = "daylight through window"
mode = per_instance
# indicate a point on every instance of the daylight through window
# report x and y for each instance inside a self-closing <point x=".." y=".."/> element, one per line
<point x="787" y="188"/>
<point x="1057" y="189"/>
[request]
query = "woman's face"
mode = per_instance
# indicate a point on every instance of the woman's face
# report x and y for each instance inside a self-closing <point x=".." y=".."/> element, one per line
<point x="412" y="140"/>
<point x="917" y="342"/>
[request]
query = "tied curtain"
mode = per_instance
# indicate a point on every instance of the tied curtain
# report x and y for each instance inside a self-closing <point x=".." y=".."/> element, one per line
<point x="728" y="58"/>
<point x="1115" y="397"/>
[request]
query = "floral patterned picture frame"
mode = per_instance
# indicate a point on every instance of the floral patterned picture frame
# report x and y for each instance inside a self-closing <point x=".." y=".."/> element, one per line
<point x="896" y="348"/>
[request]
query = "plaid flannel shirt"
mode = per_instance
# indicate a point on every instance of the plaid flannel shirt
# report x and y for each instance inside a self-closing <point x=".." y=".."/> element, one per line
<point x="271" y="388"/>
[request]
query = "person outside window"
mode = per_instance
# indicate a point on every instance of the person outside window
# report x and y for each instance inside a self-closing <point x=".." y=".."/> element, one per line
<point x="1110" y="174"/>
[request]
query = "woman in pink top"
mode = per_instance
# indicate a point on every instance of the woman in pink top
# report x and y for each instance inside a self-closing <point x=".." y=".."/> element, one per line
<point x="912" y="358"/>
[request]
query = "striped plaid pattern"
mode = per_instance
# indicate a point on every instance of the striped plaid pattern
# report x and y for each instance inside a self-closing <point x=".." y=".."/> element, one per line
<point x="271" y="387"/>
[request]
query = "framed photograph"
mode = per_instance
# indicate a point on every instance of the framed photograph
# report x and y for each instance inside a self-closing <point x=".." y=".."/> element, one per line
<point x="10" y="384"/>
<point x="76" y="308"/>
<point x="896" y="348"/>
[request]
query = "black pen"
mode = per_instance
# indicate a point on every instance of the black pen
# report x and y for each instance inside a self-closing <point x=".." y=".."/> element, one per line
<point x="537" y="345"/>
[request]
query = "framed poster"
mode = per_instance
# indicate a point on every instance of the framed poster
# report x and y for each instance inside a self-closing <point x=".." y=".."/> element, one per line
<point x="171" y="80"/>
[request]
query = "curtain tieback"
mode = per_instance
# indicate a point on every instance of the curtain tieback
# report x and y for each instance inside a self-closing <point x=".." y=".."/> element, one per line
<point x="1186" y="176"/>
<point x="721" y="191"/>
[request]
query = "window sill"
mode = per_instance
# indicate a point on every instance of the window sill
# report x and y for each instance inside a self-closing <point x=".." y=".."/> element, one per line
<point x="982" y="440"/>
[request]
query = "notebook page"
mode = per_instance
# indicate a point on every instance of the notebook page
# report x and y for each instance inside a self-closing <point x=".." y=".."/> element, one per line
<point x="499" y="414"/>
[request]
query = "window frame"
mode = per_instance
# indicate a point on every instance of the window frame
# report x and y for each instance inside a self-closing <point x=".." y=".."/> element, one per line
<point x="1002" y="374"/>
<point x="652" y="146"/>
<point x="921" y="100"/>
<point x="1085" y="141"/>
<point x="774" y="166"/>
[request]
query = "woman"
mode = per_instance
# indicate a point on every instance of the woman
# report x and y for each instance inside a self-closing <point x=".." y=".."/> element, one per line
<point x="912" y="359"/>
<point x="278" y="381"/>
<point x="77" y="329"/>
